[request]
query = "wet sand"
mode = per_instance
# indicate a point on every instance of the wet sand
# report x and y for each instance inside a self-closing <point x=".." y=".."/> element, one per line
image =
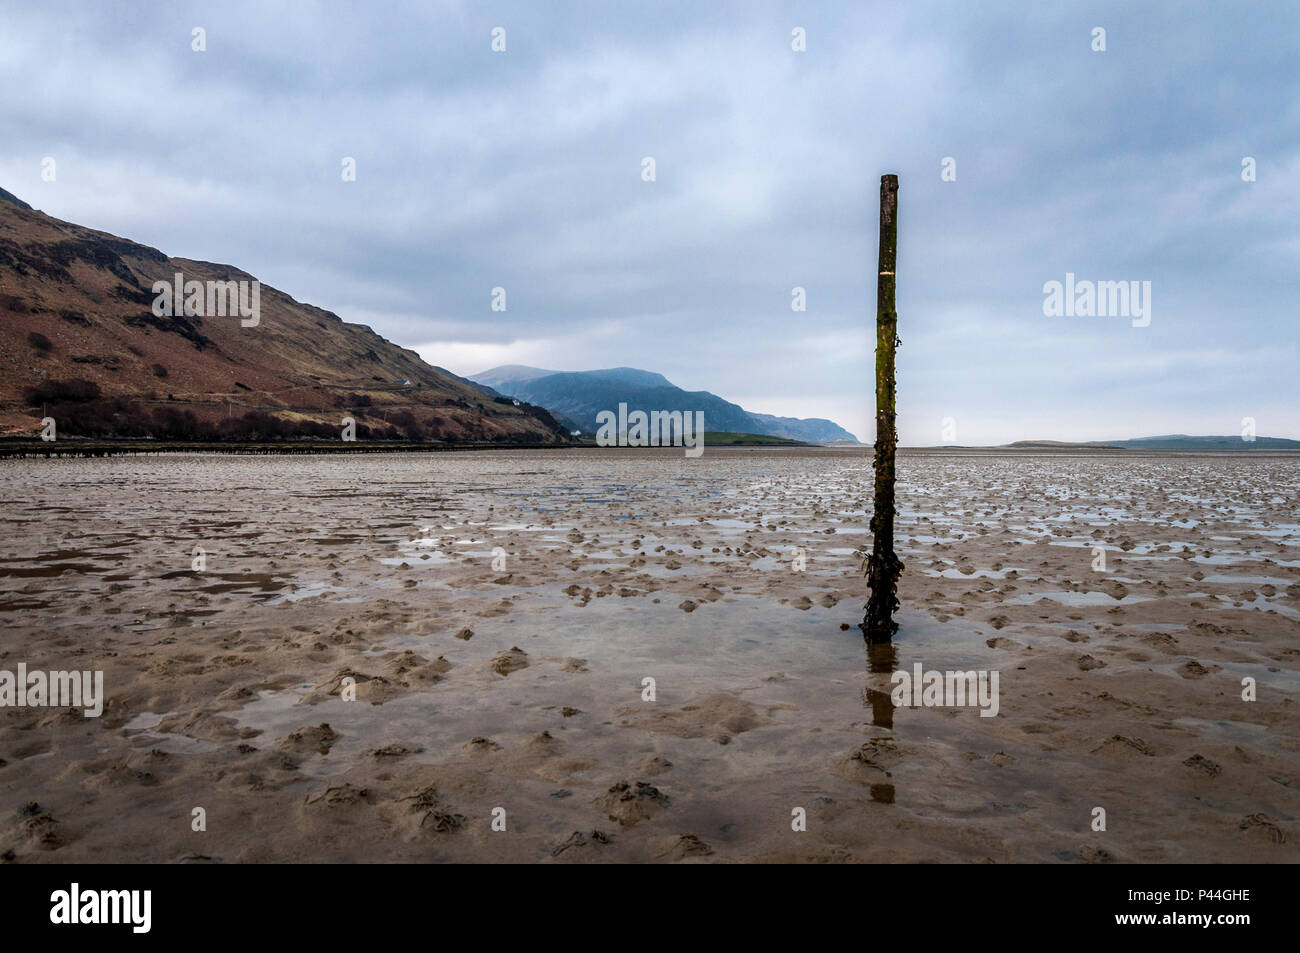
<point x="520" y="686"/>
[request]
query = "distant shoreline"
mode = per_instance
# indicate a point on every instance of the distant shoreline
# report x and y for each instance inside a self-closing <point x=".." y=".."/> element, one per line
<point x="1110" y="451"/>
<point x="17" y="448"/>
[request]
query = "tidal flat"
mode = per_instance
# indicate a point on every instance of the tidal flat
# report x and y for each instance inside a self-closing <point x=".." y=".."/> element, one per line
<point x="631" y="656"/>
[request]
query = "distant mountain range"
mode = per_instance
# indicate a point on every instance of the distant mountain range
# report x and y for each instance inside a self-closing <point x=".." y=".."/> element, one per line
<point x="81" y="342"/>
<point x="578" y="396"/>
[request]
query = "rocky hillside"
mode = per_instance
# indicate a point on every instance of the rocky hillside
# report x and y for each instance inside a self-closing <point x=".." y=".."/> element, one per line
<point x="80" y="341"/>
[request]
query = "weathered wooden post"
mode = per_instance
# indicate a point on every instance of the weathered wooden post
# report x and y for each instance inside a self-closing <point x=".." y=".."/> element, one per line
<point x="883" y="566"/>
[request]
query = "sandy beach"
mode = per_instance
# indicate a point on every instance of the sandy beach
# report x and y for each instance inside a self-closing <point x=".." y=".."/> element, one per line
<point x="498" y="614"/>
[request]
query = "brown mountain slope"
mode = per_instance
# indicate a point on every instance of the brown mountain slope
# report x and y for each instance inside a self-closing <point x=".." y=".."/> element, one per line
<point x="76" y="303"/>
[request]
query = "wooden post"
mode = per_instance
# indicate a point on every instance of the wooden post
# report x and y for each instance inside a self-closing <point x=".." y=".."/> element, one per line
<point x="883" y="566"/>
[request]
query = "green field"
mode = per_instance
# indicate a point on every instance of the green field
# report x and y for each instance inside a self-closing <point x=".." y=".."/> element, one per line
<point x="721" y="438"/>
<point x="717" y="438"/>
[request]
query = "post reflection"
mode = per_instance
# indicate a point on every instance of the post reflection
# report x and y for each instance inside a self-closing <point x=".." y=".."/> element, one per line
<point x="882" y="660"/>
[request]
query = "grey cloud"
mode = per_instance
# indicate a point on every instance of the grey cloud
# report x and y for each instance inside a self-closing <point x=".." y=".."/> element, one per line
<point x="522" y="170"/>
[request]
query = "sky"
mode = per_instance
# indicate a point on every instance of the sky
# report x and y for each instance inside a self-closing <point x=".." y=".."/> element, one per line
<point x="1024" y="153"/>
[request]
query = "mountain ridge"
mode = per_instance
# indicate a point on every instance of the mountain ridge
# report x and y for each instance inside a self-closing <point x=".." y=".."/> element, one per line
<point x="581" y="395"/>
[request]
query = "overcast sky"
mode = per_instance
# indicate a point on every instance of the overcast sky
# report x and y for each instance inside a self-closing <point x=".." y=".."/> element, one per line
<point x="523" y="169"/>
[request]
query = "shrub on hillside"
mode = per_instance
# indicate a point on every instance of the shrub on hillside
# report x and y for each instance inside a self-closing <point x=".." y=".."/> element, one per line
<point x="69" y="391"/>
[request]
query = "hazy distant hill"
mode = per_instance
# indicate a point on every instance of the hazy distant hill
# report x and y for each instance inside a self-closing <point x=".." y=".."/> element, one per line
<point x="507" y="373"/>
<point x="1169" y="442"/>
<point x="78" y="336"/>
<point x="808" y="429"/>
<point x="1184" y="442"/>
<point x="581" y="395"/>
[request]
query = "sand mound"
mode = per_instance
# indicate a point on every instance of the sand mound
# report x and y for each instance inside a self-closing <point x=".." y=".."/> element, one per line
<point x="319" y="739"/>
<point x="631" y="803"/>
<point x="510" y="661"/>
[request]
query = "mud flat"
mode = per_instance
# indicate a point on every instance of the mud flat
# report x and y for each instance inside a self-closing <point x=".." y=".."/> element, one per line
<point x="497" y="615"/>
